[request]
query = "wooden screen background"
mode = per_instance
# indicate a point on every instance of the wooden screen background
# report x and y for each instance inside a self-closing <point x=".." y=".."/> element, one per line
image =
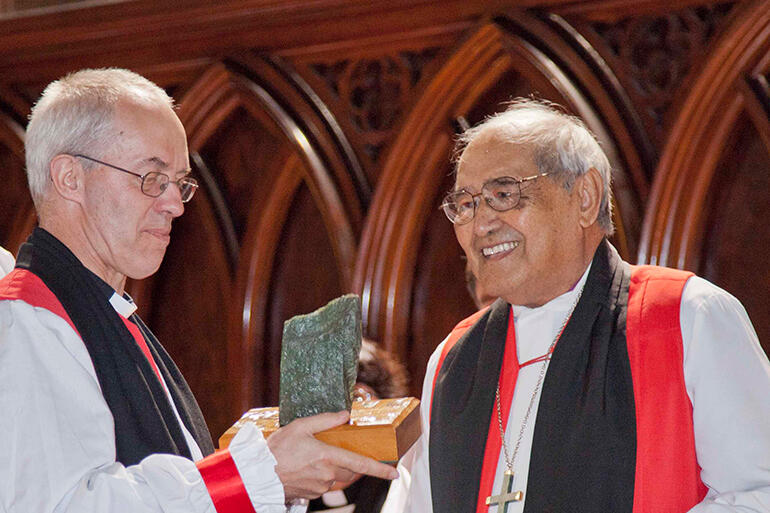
<point x="321" y="131"/>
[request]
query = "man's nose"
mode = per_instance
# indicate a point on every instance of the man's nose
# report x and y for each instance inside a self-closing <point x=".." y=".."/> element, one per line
<point x="486" y="219"/>
<point x="170" y="200"/>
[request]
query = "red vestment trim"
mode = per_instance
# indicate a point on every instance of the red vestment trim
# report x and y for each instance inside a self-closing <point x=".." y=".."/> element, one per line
<point x="28" y="287"/>
<point x="139" y="339"/>
<point x="21" y="284"/>
<point x="667" y="474"/>
<point x="667" y="471"/>
<point x="453" y="337"/>
<point x="224" y="483"/>
<point x="509" y="372"/>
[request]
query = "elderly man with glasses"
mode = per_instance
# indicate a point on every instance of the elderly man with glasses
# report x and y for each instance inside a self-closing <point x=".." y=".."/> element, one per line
<point x="590" y="385"/>
<point x="95" y="416"/>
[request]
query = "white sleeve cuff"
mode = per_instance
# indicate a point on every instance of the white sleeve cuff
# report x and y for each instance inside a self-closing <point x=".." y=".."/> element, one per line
<point x="256" y="465"/>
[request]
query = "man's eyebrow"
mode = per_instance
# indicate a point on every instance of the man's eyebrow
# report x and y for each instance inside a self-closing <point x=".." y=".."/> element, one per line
<point x="162" y="164"/>
<point x="157" y="161"/>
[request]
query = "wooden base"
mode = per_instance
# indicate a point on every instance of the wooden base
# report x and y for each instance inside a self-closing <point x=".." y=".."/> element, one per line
<point x="383" y="429"/>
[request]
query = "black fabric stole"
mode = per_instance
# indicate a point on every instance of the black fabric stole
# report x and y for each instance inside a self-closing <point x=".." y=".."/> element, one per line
<point x="144" y="418"/>
<point x="463" y="400"/>
<point x="584" y="448"/>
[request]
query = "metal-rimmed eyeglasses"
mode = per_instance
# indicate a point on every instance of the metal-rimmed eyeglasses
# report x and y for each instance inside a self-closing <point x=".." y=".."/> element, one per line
<point x="155" y="183"/>
<point x="501" y="194"/>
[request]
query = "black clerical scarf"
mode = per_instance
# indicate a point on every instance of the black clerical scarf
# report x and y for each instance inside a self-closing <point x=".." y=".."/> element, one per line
<point x="144" y="419"/>
<point x="584" y="446"/>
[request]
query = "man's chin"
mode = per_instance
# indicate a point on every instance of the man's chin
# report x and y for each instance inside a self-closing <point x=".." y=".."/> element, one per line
<point x="145" y="270"/>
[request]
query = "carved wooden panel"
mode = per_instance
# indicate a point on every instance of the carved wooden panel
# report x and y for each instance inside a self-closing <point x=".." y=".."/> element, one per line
<point x="321" y="133"/>
<point x="653" y="55"/>
<point x="370" y="95"/>
<point x="737" y="210"/>
<point x="709" y="195"/>
<point x="411" y="274"/>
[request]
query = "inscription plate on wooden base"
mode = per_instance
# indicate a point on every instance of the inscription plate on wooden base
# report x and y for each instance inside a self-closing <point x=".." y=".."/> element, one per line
<point x="382" y="429"/>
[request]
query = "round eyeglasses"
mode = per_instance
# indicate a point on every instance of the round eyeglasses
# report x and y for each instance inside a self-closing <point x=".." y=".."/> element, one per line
<point x="501" y="194"/>
<point x="155" y="183"/>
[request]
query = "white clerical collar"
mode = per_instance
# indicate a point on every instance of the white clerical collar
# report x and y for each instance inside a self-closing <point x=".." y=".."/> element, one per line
<point x="563" y="302"/>
<point x="125" y="306"/>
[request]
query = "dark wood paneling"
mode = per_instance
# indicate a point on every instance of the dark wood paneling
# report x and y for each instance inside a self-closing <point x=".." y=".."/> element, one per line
<point x="16" y="209"/>
<point x="322" y="131"/>
<point x="673" y="230"/>
<point x="190" y="297"/>
<point x="12" y="211"/>
<point x="241" y="146"/>
<point x="305" y="275"/>
<point x="440" y="297"/>
<point x="708" y="203"/>
<point x="737" y="213"/>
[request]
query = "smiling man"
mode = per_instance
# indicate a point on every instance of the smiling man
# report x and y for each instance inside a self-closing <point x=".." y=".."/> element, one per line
<point x="95" y="415"/>
<point x="590" y="385"/>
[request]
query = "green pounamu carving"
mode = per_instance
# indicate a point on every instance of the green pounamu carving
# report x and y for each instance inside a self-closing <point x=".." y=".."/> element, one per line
<point x="319" y="359"/>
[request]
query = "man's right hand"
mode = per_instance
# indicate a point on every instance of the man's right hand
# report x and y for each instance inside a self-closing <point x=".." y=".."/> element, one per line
<point x="308" y="467"/>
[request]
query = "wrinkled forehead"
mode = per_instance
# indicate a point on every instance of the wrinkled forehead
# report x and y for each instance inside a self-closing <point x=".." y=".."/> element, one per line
<point x="490" y="155"/>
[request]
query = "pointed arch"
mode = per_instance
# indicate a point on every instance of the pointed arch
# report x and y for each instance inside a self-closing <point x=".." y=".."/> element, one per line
<point x="676" y="214"/>
<point x="306" y="152"/>
<point x="402" y="229"/>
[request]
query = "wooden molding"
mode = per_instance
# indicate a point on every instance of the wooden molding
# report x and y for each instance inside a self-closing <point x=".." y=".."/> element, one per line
<point x="412" y="171"/>
<point x="246" y="338"/>
<point x="40" y="45"/>
<point x="220" y="91"/>
<point x="671" y="233"/>
<point x="612" y="10"/>
<point x="145" y="33"/>
<point x="12" y="136"/>
<point x="314" y="155"/>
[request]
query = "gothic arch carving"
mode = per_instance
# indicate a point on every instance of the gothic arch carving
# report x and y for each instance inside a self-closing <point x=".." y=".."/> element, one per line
<point x="219" y="91"/>
<point x="708" y="208"/>
<point x="673" y="227"/>
<point x="402" y="213"/>
<point x="308" y="156"/>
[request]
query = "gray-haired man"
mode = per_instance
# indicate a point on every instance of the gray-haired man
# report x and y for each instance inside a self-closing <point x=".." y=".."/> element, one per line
<point x="95" y="415"/>
<point x="591" y="385"/>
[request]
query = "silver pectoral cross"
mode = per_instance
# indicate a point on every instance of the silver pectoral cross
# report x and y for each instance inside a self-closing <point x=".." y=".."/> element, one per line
<point x="507" y="495"/>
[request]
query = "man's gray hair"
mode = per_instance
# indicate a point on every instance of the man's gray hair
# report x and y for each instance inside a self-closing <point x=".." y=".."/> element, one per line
<point x="75" y="114"/>
<point x="562" y="145"/>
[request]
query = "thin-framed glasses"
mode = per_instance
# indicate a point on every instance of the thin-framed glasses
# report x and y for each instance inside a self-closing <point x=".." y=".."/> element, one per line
<point x="155" y="183"/>
<point x="501" y="194"/>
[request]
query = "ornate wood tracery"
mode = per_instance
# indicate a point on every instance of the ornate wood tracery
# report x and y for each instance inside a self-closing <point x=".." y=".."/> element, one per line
<point x="715" y="184"/>
<point x="322" y="134"/>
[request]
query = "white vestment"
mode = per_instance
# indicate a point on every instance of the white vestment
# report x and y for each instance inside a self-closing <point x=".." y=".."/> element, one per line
<point x="57" y="439"/>
<point x="727" y="376"/>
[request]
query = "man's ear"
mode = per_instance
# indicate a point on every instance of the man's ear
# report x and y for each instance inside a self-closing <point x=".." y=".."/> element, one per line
<point x="67" y="176"/>
<point x="590" y="190"/>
